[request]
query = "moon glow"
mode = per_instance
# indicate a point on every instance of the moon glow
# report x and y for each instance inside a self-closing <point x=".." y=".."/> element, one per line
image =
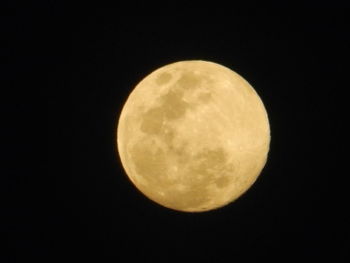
<point x="193" y="136"/>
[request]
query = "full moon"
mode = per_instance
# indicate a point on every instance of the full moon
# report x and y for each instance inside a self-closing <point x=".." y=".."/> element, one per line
<point x="193" y="136"/>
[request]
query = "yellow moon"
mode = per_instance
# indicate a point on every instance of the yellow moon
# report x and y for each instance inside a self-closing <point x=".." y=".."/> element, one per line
<point x="193" y="136"/>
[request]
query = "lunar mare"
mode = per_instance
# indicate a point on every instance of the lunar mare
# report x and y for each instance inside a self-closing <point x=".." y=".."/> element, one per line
<point x="193" y="136"/>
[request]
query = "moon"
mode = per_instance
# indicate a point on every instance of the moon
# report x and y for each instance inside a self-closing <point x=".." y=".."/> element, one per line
<point x="193" y="136"/>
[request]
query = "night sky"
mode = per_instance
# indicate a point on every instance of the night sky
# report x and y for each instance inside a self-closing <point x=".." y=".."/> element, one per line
<point x="90" y="58"/>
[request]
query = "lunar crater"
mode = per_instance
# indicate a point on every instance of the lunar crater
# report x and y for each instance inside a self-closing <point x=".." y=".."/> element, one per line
<point x="163" y="78"/>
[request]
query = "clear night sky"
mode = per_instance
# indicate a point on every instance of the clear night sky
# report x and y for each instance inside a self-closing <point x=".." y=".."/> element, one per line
<point x="89" y="59"/>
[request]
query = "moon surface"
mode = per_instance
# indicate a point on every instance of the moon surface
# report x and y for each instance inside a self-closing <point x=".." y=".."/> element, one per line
<point x="193" y="136"/>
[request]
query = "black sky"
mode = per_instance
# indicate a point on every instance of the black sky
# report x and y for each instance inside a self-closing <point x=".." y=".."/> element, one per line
<point x="90" y="58"/>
